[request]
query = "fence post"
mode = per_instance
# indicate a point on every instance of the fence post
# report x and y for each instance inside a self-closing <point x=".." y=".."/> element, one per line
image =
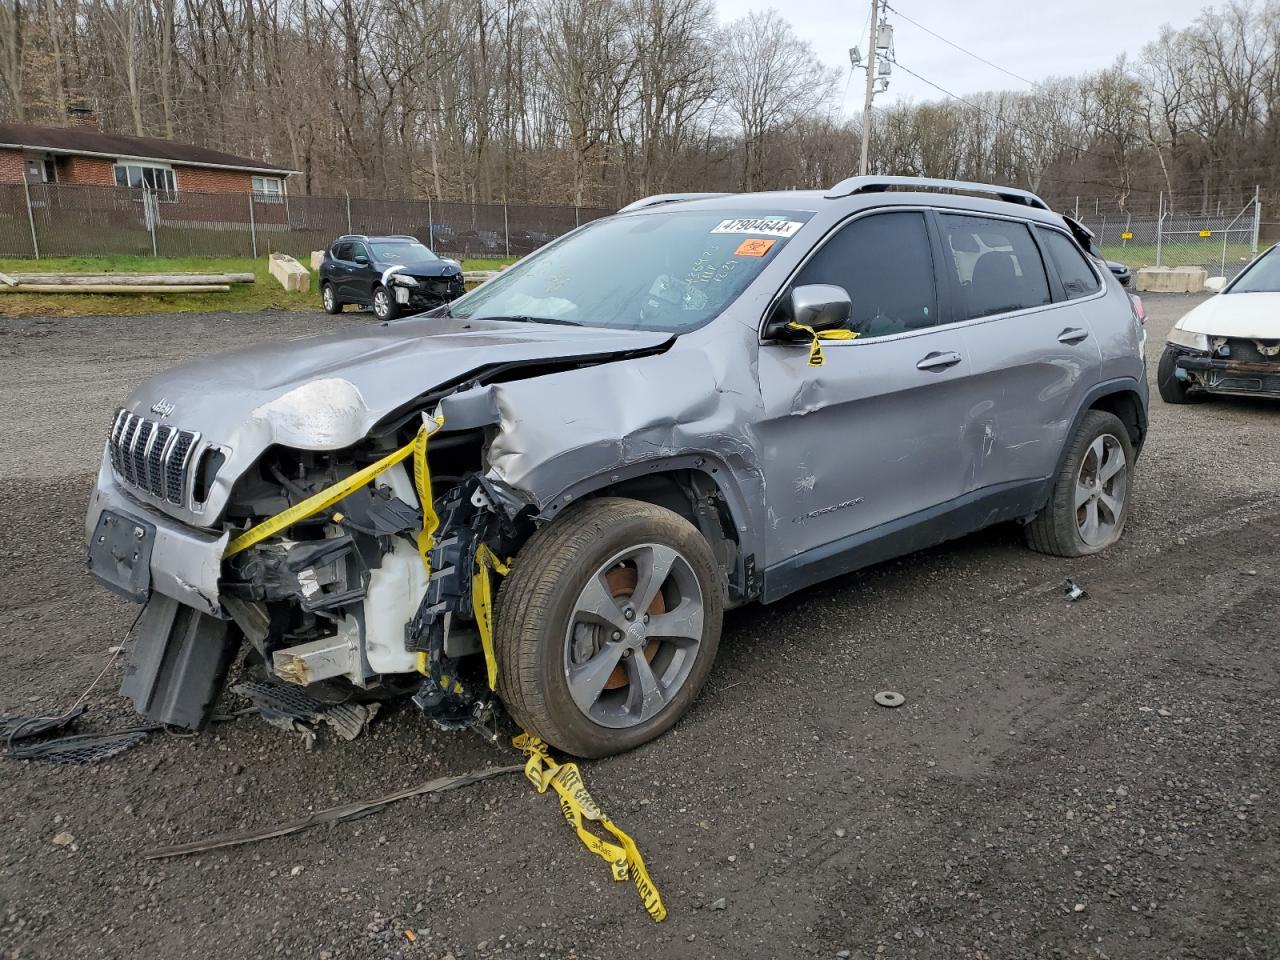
<point x="1257" y="220"/>
<point x="1159" y="228"/>
<point x="349" y="230"/>
<point x="1077" y="216"/>
<point x="431" y="227"/>
<point x="152" y="207"/>
<point x="253" y="228"/>
<point x="576" y="222"/>
<point x="506" y="228"/>
<point x="31" y="217"/>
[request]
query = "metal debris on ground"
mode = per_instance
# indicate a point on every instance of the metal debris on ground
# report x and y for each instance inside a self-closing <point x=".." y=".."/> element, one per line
<point x="1074" y="591"/>
<point x="888" y="698"/>
<point x="294" y="711"/>
<point x="23" y="728"/>
<point x="335" y="814"/>
<point x="82" y="748"/>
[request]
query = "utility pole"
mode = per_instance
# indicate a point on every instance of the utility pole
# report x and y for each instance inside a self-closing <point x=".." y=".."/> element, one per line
<point x="864" y="164"/>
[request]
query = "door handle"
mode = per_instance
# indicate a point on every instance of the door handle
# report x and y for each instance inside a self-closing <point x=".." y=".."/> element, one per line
<point x="938" y="361"/>
<point x="1073" y="335"/>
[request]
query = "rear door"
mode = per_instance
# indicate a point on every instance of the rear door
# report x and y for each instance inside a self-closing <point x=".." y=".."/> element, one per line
<point x="1032" y="352"/>
<point x="874" y="435"/>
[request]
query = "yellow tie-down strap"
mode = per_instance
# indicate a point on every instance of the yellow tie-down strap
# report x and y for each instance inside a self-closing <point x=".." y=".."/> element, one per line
<point x="816" y="358"/>
<point x="327" y="497"/>
<point x="482" y="605"/>
<point x="576" y="804"/>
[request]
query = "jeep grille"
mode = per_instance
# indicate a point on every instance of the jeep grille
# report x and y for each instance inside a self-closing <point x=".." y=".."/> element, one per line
<point x="153" y="457"/>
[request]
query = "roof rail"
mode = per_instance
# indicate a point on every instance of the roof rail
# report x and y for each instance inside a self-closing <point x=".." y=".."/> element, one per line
<point x="852" y="185"/>
<point x="658" y="198"/>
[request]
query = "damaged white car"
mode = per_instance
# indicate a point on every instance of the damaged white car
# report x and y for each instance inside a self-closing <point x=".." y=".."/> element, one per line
<point x="545" y="494"/>
<point x="1230" y="344"/>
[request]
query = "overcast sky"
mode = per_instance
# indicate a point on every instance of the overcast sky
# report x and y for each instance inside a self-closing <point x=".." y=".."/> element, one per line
<point x="1033" y="40"/>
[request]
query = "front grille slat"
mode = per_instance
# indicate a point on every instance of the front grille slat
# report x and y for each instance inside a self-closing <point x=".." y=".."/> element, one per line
<point x="152" y="457"/>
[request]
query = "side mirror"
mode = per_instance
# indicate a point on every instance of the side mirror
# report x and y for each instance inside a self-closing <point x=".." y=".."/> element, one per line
<point x="1215" y="284"/>
<point x="361" y="259"/>
<point x="822" y="306"/>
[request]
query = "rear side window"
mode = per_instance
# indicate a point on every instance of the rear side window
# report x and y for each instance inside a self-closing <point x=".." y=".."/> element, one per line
<point x="885" y="263"/>
<point x="1078" y="279"/>
<point x="996" y="264"/>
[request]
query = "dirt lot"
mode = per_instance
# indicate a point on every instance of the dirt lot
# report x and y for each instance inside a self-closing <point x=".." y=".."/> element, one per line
<point x="1088" y="779"/>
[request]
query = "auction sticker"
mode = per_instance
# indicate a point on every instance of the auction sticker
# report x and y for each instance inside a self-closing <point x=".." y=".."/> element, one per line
<point x="755" y="247"/>
<point x="770" y="226"/>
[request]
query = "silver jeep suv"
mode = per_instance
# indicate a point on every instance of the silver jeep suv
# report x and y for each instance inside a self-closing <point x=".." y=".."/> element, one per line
<point x="699" y="402"/>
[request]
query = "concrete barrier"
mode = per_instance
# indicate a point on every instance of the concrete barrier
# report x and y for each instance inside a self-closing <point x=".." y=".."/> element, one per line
<point x="1171" y="279"/>
<point x="289" y="272"/>
<point x="317" y="258"/>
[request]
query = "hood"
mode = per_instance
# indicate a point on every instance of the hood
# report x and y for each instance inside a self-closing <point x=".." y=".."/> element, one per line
<point x="327" y="391"/>
<point x="1254" y="316"/>
<point x="427" y="271"/>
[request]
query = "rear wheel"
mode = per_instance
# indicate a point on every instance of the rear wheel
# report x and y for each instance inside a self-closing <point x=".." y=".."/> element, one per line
<point x="384" y="307"/>
<point x="1087" y="510"/>
<point x="607" y="626"/>
<point x="330" y="299"/>
<point x="1173" y="390"/>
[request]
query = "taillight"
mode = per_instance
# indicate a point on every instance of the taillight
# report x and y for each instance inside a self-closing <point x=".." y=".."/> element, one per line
<point x="1139" y="310"/>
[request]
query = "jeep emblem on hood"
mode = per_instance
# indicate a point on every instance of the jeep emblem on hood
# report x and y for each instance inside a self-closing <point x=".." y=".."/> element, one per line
<point x="163" y="407"/>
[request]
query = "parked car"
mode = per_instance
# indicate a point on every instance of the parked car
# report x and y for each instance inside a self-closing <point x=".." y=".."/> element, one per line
<point x="1230" y="344"/>
<point x="1120" y="271"/>
<point x="700" y="402"/>
<point x="393" y="274"/>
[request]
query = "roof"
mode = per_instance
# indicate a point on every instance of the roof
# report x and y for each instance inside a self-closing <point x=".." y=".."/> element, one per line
<point x="81" y="141"/>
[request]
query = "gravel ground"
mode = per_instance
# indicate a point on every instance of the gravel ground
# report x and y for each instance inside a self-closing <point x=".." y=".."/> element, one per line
<point x="1065" y="780"/>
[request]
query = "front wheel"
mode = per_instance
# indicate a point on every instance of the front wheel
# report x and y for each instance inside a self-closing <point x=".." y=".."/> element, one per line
<point x="607" y="626"/>
<point x="1089" y="505"/>
<point x="384" y="308"/>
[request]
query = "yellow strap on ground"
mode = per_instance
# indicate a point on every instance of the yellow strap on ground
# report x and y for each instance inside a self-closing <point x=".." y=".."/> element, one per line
<point x="482" y="605"/>
<point x="576" y="804"/>
<point x="327" y="497"/>
<point x="816" y="358"/>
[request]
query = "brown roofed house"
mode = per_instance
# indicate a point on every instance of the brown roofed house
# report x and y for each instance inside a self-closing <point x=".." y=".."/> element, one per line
<point x="82" y="154"/>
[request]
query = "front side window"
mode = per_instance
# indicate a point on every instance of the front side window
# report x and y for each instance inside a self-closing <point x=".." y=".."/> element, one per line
<point x="408" y="253"/>
<point x="996" y="264"/>
<point x="664" y="270"/>
<point x="885" y="263"/>
<point x="342" y="251"/>
<point x="359" y="250"/>
<point x="1078" y="278"/>
<point x="1262" y="276"/>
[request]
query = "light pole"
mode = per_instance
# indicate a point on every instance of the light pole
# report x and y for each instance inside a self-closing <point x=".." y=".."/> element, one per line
<point x="864" y="163"/>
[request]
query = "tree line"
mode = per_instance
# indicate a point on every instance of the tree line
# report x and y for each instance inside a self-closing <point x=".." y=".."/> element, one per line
<point x="595" y="102"/>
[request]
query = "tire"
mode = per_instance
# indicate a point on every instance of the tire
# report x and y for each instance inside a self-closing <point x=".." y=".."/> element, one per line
<point x="384" y="305"/>
<point x="1173" y="390"/>
<point x="330" y="300"/>
<point x="1062" y="528"/>
<point x="541" y="632"/>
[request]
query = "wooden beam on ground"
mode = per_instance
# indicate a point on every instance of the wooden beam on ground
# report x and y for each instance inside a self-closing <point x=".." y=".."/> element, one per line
<point x="115" y="288"/>
<point x="143" y="279"/>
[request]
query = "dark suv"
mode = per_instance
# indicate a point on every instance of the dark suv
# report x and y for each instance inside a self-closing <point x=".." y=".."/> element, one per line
<point x="392" y="274"/>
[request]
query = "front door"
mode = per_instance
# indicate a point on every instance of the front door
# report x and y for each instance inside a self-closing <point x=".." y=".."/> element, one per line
<point x="360" y="275"/>
<point x="869" y="442"/>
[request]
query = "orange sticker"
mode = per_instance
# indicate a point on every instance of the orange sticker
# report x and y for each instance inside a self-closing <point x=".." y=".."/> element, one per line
<point x="754" y="247"/>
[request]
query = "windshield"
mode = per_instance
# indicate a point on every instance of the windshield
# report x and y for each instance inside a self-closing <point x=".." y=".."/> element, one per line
<point x="668" y="271"/>
<point x="406" y="252"/>
<point x="1262" y="277"/>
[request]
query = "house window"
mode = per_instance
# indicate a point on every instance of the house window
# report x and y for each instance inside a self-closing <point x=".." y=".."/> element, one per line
<point x="41" y="170"/>
<point x="157" y="178"/>
<point x="269" y="189"/>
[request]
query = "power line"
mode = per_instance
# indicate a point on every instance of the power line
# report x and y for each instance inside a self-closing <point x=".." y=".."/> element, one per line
<point x="996" y="116"/>
<point x="952" y="43"/>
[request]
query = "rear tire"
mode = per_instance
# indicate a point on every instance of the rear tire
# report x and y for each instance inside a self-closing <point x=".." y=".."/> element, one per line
<point x="559" y="623"/>
<point x="330" y="299"/>
<point x="1173" y="390"/>
<point x="384" y="305"/>
<point x="1089" y="505"/>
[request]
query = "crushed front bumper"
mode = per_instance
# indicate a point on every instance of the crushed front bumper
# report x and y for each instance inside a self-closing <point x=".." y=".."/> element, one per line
<point x="1237" y="377"/>
<point x="184" y="563"/>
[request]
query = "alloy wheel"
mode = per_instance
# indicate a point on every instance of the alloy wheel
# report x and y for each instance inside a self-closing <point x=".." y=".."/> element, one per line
<point x="633" y="635"/>
<point x="1101" y="487"/>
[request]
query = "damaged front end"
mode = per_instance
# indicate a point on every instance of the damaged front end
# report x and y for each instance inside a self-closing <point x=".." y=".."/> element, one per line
<point x="1228" y="365"/>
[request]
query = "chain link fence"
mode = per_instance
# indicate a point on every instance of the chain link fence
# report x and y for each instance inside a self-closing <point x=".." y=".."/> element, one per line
<point x="70" y="220"/>
<point x="1222" y="243"/>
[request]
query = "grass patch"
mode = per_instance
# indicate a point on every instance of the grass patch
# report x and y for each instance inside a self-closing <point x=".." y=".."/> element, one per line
<point x="263" y="294"/>
<point x="1206" y="254"/>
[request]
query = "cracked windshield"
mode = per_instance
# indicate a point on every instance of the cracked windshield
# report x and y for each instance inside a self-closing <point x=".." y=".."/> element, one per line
<point x="663" y="271"/>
